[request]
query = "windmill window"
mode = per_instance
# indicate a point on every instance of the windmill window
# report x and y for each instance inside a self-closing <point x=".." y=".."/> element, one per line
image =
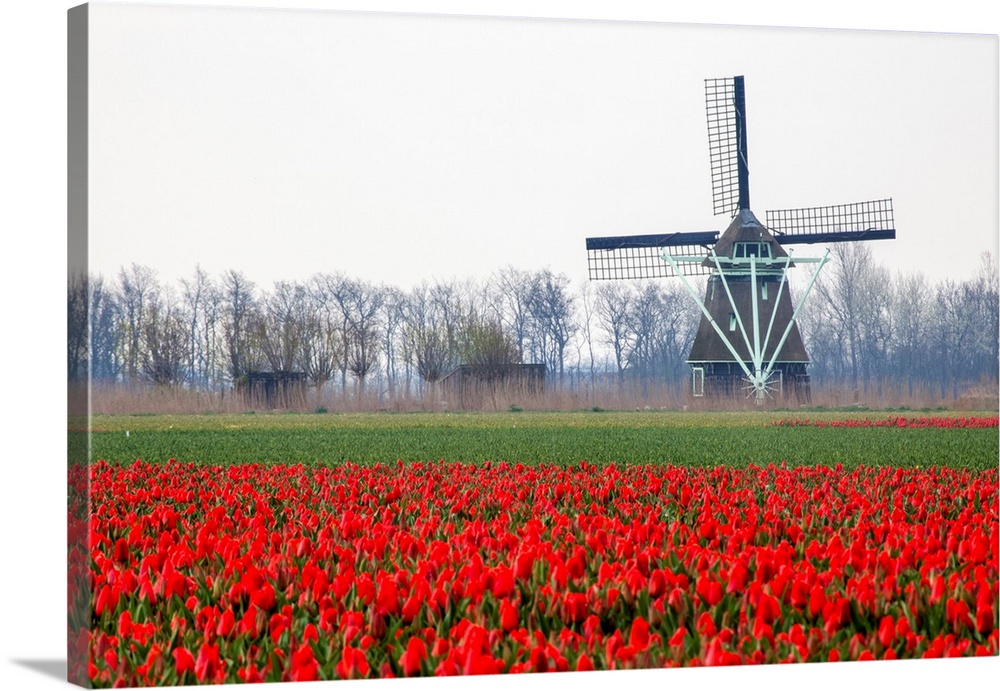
<point x="763" y="291"/>
<point x="697" y="381"/>
<point x="752" y="249"/>
<point x="732" y="321"/>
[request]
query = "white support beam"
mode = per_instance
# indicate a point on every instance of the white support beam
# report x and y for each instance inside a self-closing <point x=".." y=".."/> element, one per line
<point x="704" y="310"/>
<point x="802" y="299"/>
<point x="757" y="358"/>
<point x="777" y="298"/>
<point x="732" y="302"/>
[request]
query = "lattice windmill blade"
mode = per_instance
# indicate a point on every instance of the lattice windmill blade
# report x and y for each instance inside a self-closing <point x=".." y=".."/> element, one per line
<point x="631" y="257"/>
<point x="725" y="109"/>
<point x="871" y="220"/>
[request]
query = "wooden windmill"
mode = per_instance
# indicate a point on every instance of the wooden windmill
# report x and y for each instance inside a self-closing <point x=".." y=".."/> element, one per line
<point x="747" y="341"/>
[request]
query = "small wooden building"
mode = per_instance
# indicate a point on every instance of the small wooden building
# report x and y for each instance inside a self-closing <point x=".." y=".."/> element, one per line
<point x="470" y="388"/>
<point x="273" y="389"/>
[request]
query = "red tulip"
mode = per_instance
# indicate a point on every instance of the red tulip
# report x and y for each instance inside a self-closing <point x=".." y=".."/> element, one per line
<point x="886" y="631"/>
<point x="639" y="635"/>
<point x="413" y="657"/>
<point x="508" y="616"/>
<point x="304" y="666"/>
<point x="264" y="597"/>
<point x="226" y="623"/>
<point x="575" y="607"/>
<point x="706" y="625"/>
<point x="984" y="618"/>
<point x="387" y="599"/>
<point x="768" y="609"/>
<point x="183" y="661"/>
<point x="353" y="664"/>
<point x="523" y="566"/>
<point x="208" y="666"/>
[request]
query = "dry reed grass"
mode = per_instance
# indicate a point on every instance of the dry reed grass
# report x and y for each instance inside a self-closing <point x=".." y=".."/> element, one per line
<point x="125" y="400"/>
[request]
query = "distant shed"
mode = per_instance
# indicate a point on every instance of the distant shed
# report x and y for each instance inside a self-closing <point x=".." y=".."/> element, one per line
<point x="470" y="388"/>
<point x="282" y="389"/>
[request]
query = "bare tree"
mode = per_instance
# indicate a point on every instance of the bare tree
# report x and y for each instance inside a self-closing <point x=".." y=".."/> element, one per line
<point x="680" y="324"/>
<point x="955" y="329"/>
<point x="135" y="286"/>
<point x="105" y="335"/>
<point x="281" y="326"/>
<point x="645" y="321"/>
<point x="842" y="291"/>
<point x="986" y="294"/>
<point x="823" y="343"/>
<point x="200" y="305"/>
<point x="361" y="304"/>
<point x="394" y="315"/>
<point x="586" y="295"/>
<point x="322" y="343"/>
<point x="662" y="323"/>
<point x="240" y="314"/>
<point x="452" y="304"/>
<point x="613" y="306"/>
<point x="334" y="289"/>
<point x="867" y="329"/>
<point x="509" y="295"/>
<point x="877" y="317"/>
<point x="428" y="335"/>
<point x="164" y="342"/>
<point x="910" y="302"/>
<point x="552" y="309"/>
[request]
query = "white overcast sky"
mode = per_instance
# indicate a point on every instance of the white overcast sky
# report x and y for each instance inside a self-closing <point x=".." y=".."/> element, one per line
<point x="402" y="147"/>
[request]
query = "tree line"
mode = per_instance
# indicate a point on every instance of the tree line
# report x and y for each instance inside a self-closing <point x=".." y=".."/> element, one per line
<point x="864" y="328"/>
<point x="869" y="328"/>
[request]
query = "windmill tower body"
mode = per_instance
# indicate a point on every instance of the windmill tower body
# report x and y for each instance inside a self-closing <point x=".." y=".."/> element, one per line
<point x="747" y="295"/>
<point x="748" y="343"/>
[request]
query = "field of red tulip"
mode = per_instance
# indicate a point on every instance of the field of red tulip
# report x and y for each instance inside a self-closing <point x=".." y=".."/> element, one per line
<point x="209" y="573"/>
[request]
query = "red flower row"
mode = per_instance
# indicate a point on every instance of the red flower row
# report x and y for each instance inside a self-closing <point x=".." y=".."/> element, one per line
<point x="256" y="573"/>
<point x="940" y="422"/>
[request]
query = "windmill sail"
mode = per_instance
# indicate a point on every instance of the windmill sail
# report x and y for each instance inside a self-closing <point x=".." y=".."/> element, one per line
<point x="725" y="107"/>
<point x="870" y="220"/>
<point x="641" y="256"/>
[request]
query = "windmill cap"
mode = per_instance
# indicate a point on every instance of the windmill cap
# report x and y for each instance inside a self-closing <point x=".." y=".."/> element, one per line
<point x="745" y="228"/>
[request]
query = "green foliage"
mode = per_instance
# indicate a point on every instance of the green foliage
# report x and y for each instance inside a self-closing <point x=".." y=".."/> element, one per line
<point x="489" y="350"/>
<point x="697" y="439"/>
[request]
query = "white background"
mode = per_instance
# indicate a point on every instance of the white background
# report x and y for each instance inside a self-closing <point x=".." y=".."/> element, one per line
<point x="33" y="213"/>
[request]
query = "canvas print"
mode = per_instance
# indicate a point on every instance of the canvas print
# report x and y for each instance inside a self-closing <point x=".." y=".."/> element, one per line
<point x="410" y="345"/>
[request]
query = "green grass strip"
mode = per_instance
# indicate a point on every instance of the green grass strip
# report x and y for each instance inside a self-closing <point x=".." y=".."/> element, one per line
<point x="698" y="439"/>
